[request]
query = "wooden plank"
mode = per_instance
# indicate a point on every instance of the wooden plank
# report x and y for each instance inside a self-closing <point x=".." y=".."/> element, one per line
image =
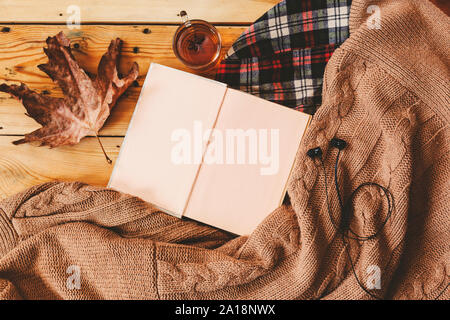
<point x="134" y="11"/>
<point x="21" y="52"/>
<point x="26" y="165"/>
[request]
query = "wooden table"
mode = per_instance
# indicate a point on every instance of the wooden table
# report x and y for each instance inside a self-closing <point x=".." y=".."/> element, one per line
<point x="24" y="27"/>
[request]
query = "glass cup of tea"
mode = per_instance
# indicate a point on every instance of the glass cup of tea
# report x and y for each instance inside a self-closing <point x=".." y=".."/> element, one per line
<point x="197" y="43"/>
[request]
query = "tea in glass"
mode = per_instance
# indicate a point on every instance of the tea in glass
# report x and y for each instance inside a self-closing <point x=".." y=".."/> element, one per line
<point x="197" y="43"/>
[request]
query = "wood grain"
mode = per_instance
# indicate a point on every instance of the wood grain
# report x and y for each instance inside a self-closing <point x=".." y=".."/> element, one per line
<point x="134" y="11"/>
<point x="26" y="165"/>
<point x="21" y="52"/>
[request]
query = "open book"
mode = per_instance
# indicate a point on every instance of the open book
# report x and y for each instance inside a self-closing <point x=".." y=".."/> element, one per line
<point x="198" y="149"/>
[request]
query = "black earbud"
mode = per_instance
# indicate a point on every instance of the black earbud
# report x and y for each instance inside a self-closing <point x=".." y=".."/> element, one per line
<point x="314" y="153"/>
<point x="317" y="152"/>
<point x="338" y="143"/>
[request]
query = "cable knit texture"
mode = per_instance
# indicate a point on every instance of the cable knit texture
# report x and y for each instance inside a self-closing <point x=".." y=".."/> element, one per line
<point x="386" y="92"/>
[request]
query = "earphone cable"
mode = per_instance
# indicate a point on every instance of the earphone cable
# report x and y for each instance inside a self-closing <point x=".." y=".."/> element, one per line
<point x="343" y="228"/>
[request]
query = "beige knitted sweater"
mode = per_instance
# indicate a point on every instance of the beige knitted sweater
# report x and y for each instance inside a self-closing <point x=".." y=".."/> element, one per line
<point x="386" y="93"/>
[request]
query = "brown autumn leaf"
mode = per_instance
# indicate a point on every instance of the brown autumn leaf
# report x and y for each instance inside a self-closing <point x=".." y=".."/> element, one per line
<point x="87" y="100"/>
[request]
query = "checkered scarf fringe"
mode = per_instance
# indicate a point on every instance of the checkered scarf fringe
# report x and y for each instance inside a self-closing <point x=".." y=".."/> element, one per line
<point x="282" y="56"/>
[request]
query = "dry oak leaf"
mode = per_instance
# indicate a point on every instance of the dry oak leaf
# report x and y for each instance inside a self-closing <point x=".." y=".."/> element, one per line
<point x="87" y="100"/>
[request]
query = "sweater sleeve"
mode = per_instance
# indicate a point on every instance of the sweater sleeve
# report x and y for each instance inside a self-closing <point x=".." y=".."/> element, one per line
<point x="55" y="203"/>
<point x="35" y="223"/>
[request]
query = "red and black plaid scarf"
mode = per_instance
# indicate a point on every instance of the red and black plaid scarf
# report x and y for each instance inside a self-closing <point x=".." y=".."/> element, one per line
<point x="282" y="56"/>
